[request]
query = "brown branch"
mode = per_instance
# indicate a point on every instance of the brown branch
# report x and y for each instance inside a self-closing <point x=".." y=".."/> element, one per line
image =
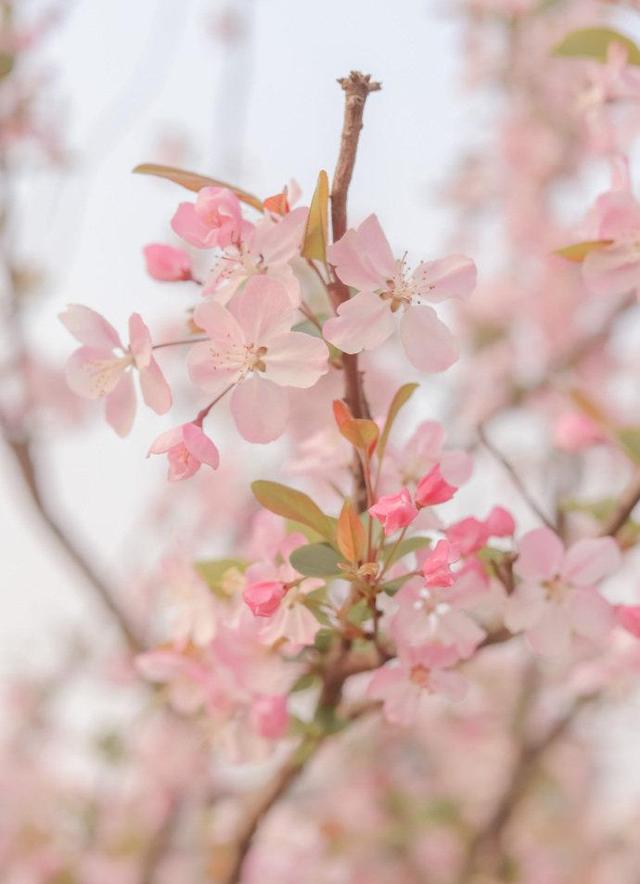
<point x="627" y="503"/>
<point x="487" y="840"/>
<point x="21" y="449"/>
<point x="357" y="88"/>
<point x="515" y="478"/>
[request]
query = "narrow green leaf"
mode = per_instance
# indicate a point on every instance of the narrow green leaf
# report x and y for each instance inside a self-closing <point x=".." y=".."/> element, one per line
<point x="195" y="182"/>
<point x="293" y="504"/>
<point x="306" y="681"/>
<point x="401" y="397"/>
<point x="314" y="244"/>
<point x="316" y="560"/>
<point x="409" y="545"/>
<point x="594" y="43"/>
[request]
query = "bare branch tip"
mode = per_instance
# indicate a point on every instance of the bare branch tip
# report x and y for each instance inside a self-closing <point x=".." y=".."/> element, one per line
<point x="358" y="83"/>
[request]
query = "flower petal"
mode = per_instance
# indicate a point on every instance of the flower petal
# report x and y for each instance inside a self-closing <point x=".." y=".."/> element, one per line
<point x="451" y="277"/>
<point x="540" y="555"/>
<point x="188" y="224"/>
<point x="262" y="309"/>
<point x="260" y="410"/>
<point x="427" y="341"/>
<point x="120" y="406"/>
<point x="90" y="328"/>
<point x="94" y="373"/>
<point x="524" y="607"/>
<point x="589" y="561"/>
<point x="200" y="446"/>
<point x="363" y="323"/>
<point x="155" y="389"/>
<point x="612" y="270"/>
<point x="590" y="614"/>
<point x="139" y="340"/>
<point x="296" y="359"/>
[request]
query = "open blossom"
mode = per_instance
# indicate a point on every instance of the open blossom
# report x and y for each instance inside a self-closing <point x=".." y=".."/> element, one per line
<point x="213" y="221"/>
<point x="187" y="447"/>
<point x="192" y="608"/>
<point x="406" y="682"/>
<point x="436" y="565"/>
<point x="267" y="251"/>
<point x="363" y="259"/>
<point x="394" y="511"/>
<point x="251" y="347"/>
<point x="616" y="267"/>
<point x="166" y="263"/>
<point x="556" y="596"/>
<point x="101" y="368"/>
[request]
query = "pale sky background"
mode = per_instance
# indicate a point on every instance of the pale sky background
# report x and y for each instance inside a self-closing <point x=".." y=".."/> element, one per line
<point x="128" y="75"/>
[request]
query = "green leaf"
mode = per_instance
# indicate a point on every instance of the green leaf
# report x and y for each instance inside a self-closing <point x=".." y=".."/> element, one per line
<point x="392" y="586"/>
<point x="314" y="244"/>
<point x="594" y="43"/>
<point x="306" y="681"/>
<point x="579" y="250"/>
<point x="293" y="504"/>
<point x="401" y="397"/>
<point x="629" y="438"/>
<point x="213" y="571"/>
<point x="323" y="640"/>
<point x="409" y="545"/>
<point x="359" y="613"/>
<point x="195" y="182"/>
<point x="316" y="560"/>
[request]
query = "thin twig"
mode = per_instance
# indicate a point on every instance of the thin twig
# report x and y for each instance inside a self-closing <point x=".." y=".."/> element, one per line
<point x="627" y="503"/>
<point x="515" y="478"/>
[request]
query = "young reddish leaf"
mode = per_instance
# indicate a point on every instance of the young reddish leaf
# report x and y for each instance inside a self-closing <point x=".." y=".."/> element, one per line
<point x="278" y="204"/>
<point x="579" y="250"/>
<point x="350" y="535"/>
<point x="314" y="244"/>
<point x="594" y="43"/>
<point x="195" y="182"/>
<point x="292" y="504"/>
<point x="401" y="397"/>
<point x="361" y="433"/>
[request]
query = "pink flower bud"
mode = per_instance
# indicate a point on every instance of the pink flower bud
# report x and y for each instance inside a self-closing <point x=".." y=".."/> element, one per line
<point x="433" y="489"/>
<point x="574" y="431"/>
<point x="628" y="616"/>
<point x="394" y="511"/>
<point x="264" y="597"/>
<point x="187" y="447"/>
<point x="500" y="523"/>
<point x="270" y="716"/>
<point x="167" y="263"/>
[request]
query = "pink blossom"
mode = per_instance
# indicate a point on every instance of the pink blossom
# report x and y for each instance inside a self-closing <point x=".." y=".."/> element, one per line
<point x="292" y="619"/>
<point x="187" y="447"/>
<point x="425" y="450"/>
<point x="628" y="616"/>
<point x="433" y="489"/>
<point x="395" y="511"/>
<point x="213" y="221"/>
<point x="192" y="608"/>
<point x="266" y="251"/>
<point x="264" y="597"/>
<point x="403" y="684"/>
<point x="556" y="596"/>
<point x="97" y="370"/>
<point x="253" y="349"/>
<point x="436" y="565"/>
<point x="363" y="259"/>
<point x="269" y="716"/>
<point x="166" y="263"/>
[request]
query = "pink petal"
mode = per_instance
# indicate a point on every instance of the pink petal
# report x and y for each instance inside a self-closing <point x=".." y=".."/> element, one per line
<point x="612" y="270"/>
<point x="450" y="684"/>
<point x="262" y="309"/>
<point x="363" y="323"/>
<point x="363" y="258"/>
<point x="189" y="226"/>
<point x="90" y="328"/>
<point x="619" y="215"/>
<point x="375" y="245"/>
<point x="169" y="439"/>
<point x="139" y="340"/>
<point x="219" y="324"/>
<point x="166" y="263"/>
<point x="540" y="555"/>
<point x="120" y="406"/>
<point x="452" y="277"/>
<point x="524" y="607"/>
<point x="551" y="636"/>
<point x="588" y="561"/>
<point x="456" y="467"/>
<point x="94" y="373"/>
<point x="590" y="614"/>
<point x="155" y="389"/>
<point x="200" y="446"/>
<point x="296" y="359"/>
<point x="260" y="410"/>
<point x="278" y="242"/>
<point x="427" y="341"/>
